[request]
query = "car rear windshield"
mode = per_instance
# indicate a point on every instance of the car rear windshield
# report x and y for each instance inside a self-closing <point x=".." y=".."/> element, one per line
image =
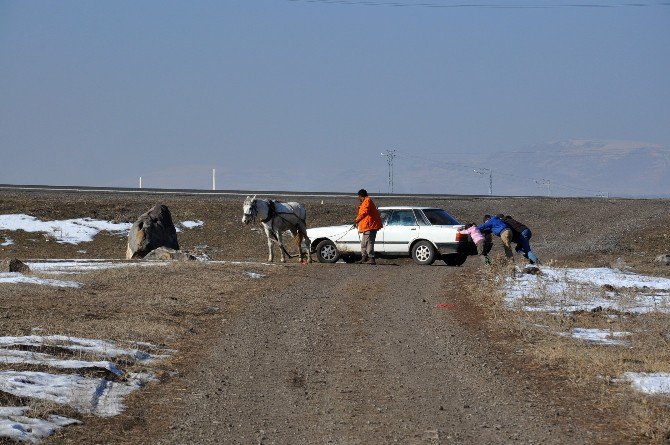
<point x="439" y="217"/>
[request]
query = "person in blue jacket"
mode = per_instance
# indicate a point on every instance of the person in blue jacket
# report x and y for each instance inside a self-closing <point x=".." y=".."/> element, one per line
<point x="499" y="228"/>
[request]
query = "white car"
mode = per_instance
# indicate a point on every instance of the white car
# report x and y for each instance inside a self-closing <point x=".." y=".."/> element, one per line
<point x="424" y="233"/>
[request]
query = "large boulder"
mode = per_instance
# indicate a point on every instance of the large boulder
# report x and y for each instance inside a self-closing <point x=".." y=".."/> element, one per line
<point x="152" y="230"/>
<point x="13" y="265"/>
<point x="163" y="253"/>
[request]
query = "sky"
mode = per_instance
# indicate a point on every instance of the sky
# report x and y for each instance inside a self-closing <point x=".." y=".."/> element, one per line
<point x="306" y="95"/>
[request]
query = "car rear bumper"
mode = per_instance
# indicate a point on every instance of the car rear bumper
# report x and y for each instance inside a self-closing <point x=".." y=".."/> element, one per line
<point x="463" y="247"/>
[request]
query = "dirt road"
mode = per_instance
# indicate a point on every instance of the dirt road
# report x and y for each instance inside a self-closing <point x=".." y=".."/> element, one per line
<point x="359" y="354"/>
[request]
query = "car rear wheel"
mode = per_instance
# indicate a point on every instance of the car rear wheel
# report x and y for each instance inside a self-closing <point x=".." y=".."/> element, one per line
<point x="423" y="253"/>
<point x="454" y="259"/>
<point x="327" y="252"/>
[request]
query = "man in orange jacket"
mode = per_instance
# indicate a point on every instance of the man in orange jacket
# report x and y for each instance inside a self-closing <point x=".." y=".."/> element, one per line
<point x="368" y="222"/>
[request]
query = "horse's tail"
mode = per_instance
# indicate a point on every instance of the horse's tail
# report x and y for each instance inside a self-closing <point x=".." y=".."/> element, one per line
<point x="302" y="214"/>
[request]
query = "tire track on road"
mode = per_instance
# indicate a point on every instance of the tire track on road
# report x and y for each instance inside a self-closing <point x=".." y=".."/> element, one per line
<point x="358" y="354"/>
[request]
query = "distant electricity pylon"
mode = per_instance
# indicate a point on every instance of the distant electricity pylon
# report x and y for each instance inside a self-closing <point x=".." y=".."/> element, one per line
<point x="486" y="171"/>
<point x="390" y="156"/>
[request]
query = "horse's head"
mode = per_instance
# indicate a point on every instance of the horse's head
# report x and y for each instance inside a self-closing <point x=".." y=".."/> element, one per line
<point x="249" y="210"/>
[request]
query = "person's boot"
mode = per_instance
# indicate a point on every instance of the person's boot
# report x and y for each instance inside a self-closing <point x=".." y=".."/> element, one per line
<point x="371" y="261"/>
<point x="363" y="260"/>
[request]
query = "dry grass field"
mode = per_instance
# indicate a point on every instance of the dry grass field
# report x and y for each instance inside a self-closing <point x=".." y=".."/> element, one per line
<point x="178" y="306"/>
<point x="587" y="376"/>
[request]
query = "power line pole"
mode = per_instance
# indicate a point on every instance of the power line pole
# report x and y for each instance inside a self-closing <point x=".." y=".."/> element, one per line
<point x="544" y="183"/>
<point x="390" y="156"/>
<point x="213" y="179"/>
<point x="484" y="171"/>
<point x="140" y="182"/>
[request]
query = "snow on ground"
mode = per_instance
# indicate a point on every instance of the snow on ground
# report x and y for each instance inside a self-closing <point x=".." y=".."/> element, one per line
<point x="649" y="383"/>
<point x="69" y="231"/>
<point x="15" y="356"/>
<point x="98" y="348"/>
<point x="16" y="425"/>
<point x="191" y="224"/>
<point x="16" y="278"/>
<point x="597" y="336"/>
<point x="8" y="242"/>
<point x="567" y="290"/>
<point x="88" y="395"/>
<point x="80" y="266"/>
<point x="255" y="275"/>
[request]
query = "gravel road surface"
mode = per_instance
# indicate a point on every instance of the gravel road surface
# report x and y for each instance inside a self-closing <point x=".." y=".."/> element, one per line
<point x="357" y="354"/>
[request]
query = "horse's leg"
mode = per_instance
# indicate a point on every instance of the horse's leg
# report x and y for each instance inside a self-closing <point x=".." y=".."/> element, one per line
<point x="271" y="255"/>
<point x="297" y="235"/>
<point x="302" y="230"/>
<point x="281" y="243"/>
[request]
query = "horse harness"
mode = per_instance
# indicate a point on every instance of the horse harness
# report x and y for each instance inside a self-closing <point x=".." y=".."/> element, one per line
<point x="272" y="212"/>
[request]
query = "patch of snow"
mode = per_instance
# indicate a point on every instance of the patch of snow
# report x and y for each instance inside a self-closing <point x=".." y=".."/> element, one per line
<point x="100" y="348"/>
<point x="19" y="278"/>
<point x="191" y="224"/>
<point x="14" y="424"/>
<point x="15" y="356"/>
<point x="649" y="383"/>
<point x="80" y="266"/>
<point x="568" y="290"/>
<point x="600" y="276"/>
<point x="255" y="275"/>
<point x="598" y="336"/>
<point x="87" y="395"/>
<point x="69" y="231"/>
<point x="8" y="242"/>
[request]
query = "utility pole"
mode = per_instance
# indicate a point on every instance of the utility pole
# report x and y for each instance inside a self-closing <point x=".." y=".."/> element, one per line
<point x="484" y="171"/>
<point x="390" y="156"/>
<point x="213" y="179"/>
<point x="544" y="183"/>
<point x="140" y="182"/>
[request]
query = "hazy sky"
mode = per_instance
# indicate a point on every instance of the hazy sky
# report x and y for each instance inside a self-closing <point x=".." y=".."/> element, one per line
<point x="304" y="95"/>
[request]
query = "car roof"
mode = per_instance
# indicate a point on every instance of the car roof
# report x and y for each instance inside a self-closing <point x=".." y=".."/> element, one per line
<point x="406" y="208"/>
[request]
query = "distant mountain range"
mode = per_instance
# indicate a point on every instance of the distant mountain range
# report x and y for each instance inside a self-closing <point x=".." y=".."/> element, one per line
<point x="561" y="168"/>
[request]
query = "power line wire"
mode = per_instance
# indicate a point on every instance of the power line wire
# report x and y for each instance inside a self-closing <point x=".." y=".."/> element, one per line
<point x="401" y="4"/>
<point x="560" y="152"/>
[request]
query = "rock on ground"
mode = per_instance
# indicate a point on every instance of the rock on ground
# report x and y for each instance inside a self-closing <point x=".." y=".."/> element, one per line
<point x="663" y="259"/>
<point x="152" y="230"/>
<point x="163" y="253"/>
<point x="13" y="265"/>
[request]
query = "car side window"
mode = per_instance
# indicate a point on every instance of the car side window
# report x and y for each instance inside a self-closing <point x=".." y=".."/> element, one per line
<point x="384" y="214"/>
<point x="420" y="218"/>
<point x="402" y="218"/>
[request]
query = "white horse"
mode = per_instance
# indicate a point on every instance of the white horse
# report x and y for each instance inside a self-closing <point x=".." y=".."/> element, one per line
<point x="277" y="217"/>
